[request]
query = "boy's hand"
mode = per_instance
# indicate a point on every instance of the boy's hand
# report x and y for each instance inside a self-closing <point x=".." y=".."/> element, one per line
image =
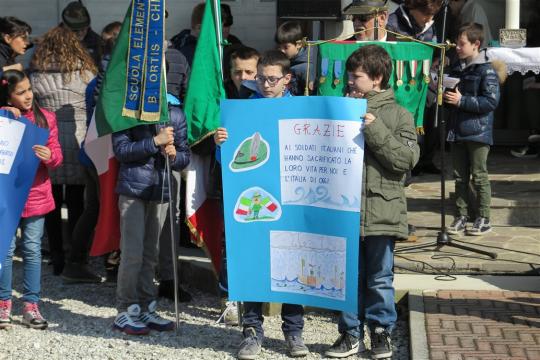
<point x="16" y="112"/>
<point x="165" y="136"/>
<point x="369" y="118"/>
<point x="355" y="94"/>
<point x="170" y="151"/>
<point x="42" y="152"/>
<point x="452" y="97"/>
<point x="221" y="136"/>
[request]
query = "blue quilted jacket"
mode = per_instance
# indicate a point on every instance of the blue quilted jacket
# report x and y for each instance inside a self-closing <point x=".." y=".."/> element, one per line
<point x="141" y="174"/>
<point x="472" y="119"/>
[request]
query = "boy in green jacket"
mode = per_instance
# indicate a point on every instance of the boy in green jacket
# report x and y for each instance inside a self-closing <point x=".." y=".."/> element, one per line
<point x="390" y="151"/>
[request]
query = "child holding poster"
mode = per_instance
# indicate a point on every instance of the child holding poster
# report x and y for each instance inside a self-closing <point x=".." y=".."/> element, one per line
<point x="16" y="96"/>
<point x="273" y="77"/>
<point x="390" y="151"/>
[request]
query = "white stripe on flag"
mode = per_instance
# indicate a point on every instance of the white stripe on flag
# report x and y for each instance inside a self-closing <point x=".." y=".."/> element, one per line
<point x="98" y="149"/>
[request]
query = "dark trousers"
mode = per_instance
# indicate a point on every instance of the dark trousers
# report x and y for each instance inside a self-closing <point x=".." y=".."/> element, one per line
<point x="83" y="232"/>
<point x="291" y="315"/>
<point x="470" y="162"/>
<point x="74" y="199"/>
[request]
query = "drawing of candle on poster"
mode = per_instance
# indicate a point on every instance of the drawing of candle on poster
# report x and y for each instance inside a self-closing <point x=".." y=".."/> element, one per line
<point x="292" y="185"/>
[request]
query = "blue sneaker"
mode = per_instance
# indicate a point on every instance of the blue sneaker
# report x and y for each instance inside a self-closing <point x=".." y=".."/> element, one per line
<point x="128" y="321"/>
<point x="153" y="321"/>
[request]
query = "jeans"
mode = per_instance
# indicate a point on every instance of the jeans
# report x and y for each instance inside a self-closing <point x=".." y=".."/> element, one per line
<point x="291" y="315"/>
<point x="140" y="224"/>
<point x="84" y="228"/>
<point x="375" y="288"/>
<point x="32" y="231"/>
<point x="470" y="160"/>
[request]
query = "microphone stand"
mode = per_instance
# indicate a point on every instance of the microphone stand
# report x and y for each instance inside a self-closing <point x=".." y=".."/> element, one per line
<point x="443" y="239"/>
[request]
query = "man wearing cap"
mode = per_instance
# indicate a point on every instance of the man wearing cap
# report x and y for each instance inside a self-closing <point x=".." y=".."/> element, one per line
<point x="367" y="15"/>
<point x="75" y="16"/>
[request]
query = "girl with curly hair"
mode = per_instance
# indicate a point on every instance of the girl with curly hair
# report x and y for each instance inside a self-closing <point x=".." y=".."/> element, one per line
<point x="60" y="71"/>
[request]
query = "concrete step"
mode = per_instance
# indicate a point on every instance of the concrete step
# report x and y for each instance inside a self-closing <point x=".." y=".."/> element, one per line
<point x="515" y="188"/>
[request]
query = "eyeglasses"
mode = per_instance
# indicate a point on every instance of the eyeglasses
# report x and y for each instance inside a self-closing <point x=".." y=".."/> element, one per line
<point x="272" y="80"/>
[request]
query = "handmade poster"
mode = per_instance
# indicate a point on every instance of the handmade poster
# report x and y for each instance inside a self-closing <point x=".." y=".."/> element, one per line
<point x="18" y="166"/>
<point x="292" y="182"/>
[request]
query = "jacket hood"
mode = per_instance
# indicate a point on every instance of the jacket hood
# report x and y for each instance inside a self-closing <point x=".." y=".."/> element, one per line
<point x="300" y="58"/>
<point x="377" y="99"/>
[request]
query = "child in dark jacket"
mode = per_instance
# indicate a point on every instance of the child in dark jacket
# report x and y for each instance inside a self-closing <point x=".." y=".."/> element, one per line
<point x="142" y="184"/>
<point x="289" y="37"/>
<point x="471" y="127"/>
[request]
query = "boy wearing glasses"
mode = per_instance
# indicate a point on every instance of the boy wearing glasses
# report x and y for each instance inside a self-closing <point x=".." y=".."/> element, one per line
<point x="273" y="77"/>
<point x="390" y="151"/>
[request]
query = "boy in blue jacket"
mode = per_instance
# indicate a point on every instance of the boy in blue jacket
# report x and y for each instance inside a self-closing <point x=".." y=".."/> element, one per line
<point x="142" y="180"/>
<point x="471" y="127"/>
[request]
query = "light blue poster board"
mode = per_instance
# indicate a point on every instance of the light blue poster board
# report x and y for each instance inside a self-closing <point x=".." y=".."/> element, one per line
<point x="18" y="166"/>
<point x="292" y="182"/>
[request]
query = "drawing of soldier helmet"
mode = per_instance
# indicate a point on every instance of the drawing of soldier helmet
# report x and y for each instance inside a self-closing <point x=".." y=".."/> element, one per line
<point x="361" y="7"/>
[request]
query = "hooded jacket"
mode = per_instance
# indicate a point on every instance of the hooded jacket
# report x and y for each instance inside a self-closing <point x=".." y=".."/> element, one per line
<point x="391" y="150"/>
<point x="299" y="69"/>
<point x="7" y="56"/>
<point x="472" y="118"/>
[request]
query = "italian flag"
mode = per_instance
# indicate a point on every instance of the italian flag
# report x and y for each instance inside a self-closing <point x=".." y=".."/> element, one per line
<point x="201" y="106"/>
<point x="245" y="203"/>
<point x="107" y="119"/>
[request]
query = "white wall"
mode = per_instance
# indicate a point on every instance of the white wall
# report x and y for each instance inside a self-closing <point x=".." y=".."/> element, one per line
<point x="254" y="20"/>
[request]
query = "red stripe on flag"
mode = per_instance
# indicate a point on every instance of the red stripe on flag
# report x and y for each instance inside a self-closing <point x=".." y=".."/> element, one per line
<point x="206" y="225"/>
<point x="241" y="212"/>
<point x="107" y="233"/>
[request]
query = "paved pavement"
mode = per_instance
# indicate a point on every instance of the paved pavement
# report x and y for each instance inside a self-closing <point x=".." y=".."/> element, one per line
<point x="482" y="325"/>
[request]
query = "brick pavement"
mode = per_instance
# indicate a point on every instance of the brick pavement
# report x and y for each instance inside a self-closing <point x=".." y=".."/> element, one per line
<point x="482" y="325"/>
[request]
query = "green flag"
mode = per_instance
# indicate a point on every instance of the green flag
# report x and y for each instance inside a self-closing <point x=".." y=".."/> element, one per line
<point x="205" y="88"/>
<point x="134" y="87"/>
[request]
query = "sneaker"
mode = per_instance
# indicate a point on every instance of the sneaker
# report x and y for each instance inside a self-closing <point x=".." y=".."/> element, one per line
<point x="526" y="152"/>
<point x="32" y="317"/>
<point x="346" y="345"/>
<point x="5" y="314"/>
<point x="153" y="321"/>
<point x="229" y="309"/>
<point x="75" y="273"/>
<point x="128" y="321"/>
<point x="296" y="346"/>
<point x="458" y="226"/>
<point x="381" y="344"/>
<point x="166" y="290"/>
<point x="250" y="347"/>
<point x="481" y="226"/>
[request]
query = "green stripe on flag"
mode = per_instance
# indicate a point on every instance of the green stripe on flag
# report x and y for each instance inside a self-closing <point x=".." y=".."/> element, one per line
<point x="245" y="201"/>
<point x="205" y="88"/>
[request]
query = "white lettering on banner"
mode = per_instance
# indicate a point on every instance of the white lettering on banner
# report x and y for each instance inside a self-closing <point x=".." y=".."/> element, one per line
<point x="11" y="133"/>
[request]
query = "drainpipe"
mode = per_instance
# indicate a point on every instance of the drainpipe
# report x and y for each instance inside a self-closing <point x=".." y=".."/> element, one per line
<point x="512" y="14"/>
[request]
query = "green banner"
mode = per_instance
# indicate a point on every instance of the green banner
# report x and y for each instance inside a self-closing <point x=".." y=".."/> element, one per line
<point x="412" y="92"/>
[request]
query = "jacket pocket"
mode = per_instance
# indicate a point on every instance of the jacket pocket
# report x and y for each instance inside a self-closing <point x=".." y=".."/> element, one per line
<point x="384" y="206"/>
<point x="471" y="126"/>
